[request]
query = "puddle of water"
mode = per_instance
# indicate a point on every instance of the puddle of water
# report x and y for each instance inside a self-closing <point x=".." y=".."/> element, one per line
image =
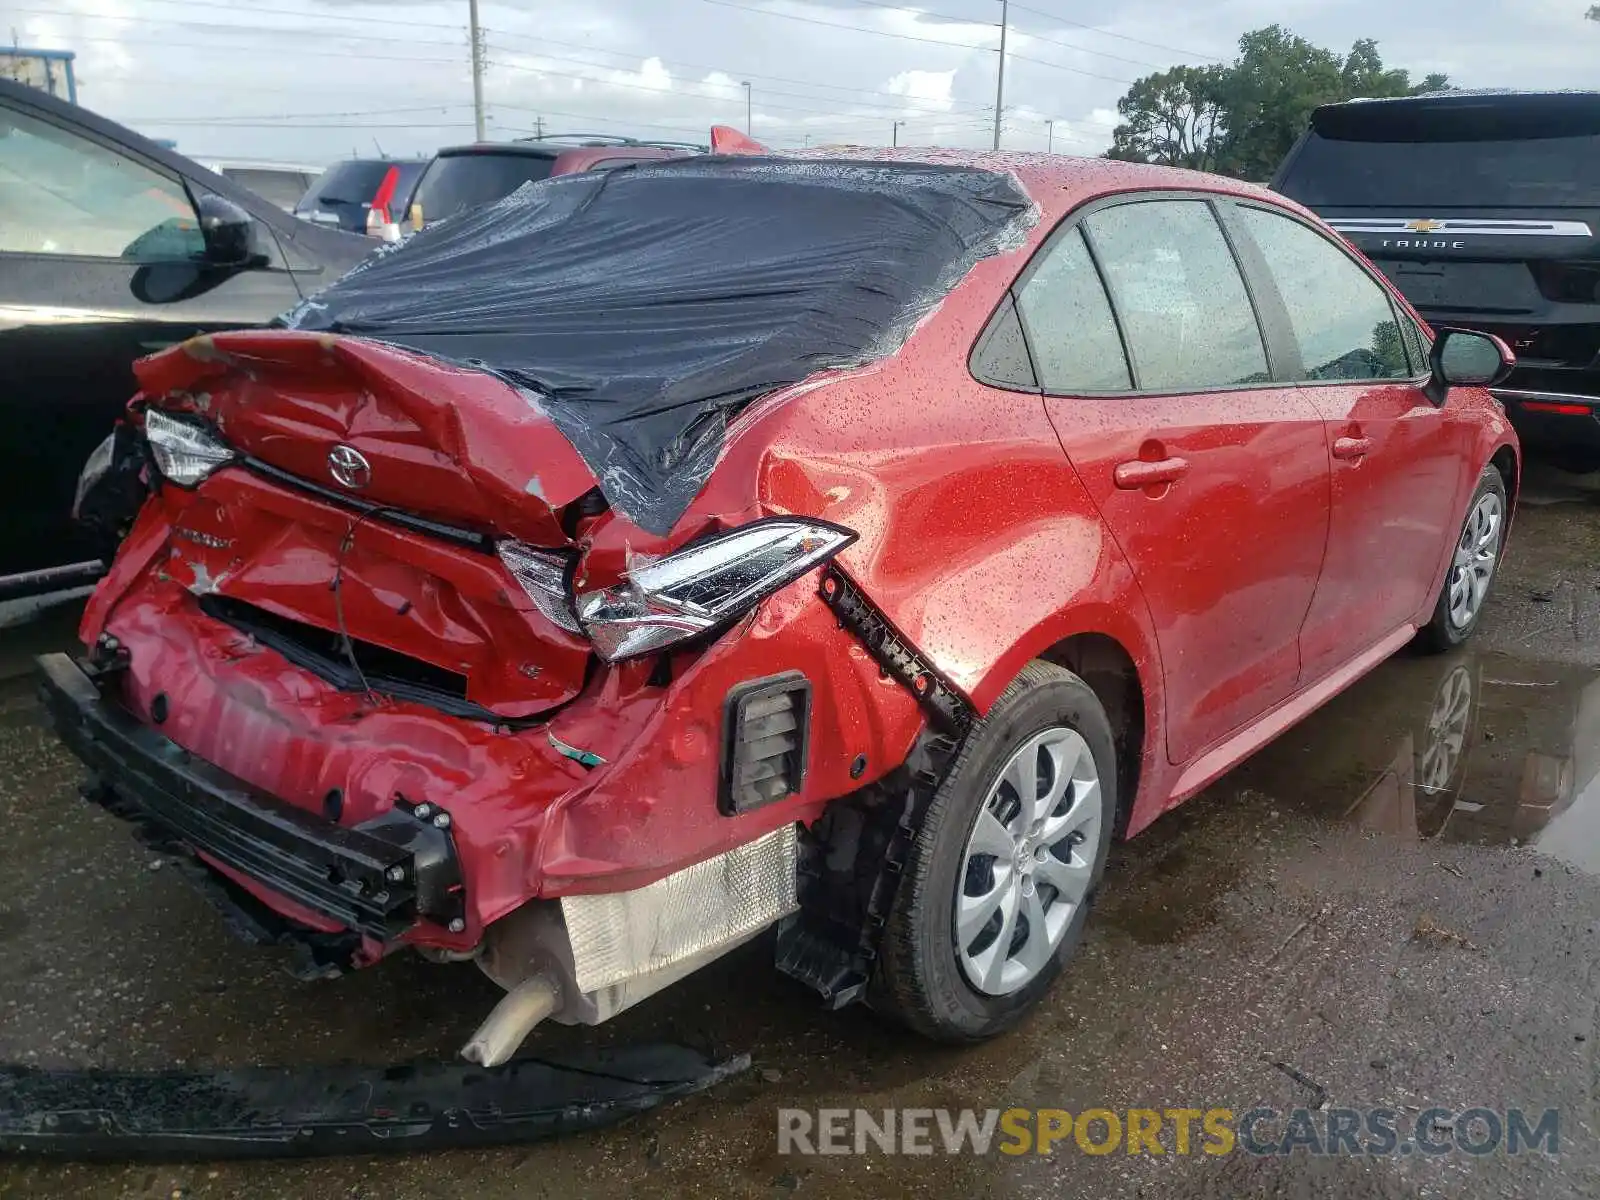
<point x="1468" y="747"/>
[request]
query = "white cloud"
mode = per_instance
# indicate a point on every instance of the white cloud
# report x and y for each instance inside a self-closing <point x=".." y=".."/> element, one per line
<point x="931" y="89"/>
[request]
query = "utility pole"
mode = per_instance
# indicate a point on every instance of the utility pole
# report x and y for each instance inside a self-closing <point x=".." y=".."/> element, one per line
<point x="1050" y="135"/>
<point x="746" y="86"/>
<point x="1000" y="81"/>
<point x="477" y="71"/>
<point x="895" y="138"/>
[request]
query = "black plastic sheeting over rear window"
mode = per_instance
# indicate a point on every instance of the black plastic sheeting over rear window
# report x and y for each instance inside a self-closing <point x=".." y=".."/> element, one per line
<point x="643" y="307"/>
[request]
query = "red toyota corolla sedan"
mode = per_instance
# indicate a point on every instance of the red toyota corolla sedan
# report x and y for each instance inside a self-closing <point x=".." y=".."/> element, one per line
<point x="851" y="545"/>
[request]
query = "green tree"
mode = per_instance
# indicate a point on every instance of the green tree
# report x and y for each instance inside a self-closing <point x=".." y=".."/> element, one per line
<point x="1268" y="96"/>
<point x="1172" y="117"/>
<point x="1241" y="118"/>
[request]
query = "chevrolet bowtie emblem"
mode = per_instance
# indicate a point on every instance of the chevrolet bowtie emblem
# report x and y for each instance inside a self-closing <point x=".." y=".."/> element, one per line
<point x="1425" y="226"/>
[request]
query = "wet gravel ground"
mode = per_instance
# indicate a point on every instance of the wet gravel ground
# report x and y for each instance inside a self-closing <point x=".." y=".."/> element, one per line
<point x="1395" y="905"/>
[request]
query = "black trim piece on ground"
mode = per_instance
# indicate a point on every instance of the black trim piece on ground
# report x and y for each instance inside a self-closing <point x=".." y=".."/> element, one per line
<point x="264" y="1112"/>
<point x="379" y="877"/>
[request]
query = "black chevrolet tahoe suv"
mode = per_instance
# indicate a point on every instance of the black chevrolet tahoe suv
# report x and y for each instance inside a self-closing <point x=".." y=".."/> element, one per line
<point x="1484" y="207"/>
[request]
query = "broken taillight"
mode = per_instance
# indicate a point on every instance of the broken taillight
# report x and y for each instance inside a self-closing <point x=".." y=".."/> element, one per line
<point x="186" y="452"/>
<point x="543" y="576"/>
<point x="705" y="585"/>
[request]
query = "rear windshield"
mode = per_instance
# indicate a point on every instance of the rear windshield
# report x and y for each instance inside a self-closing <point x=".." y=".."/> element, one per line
<point x="282" y="188"/>
<point x="1536" y="173"/>
<point x="457" y="182"/>
<point x="351" y="182"/>
<point x="1493" y="152"/>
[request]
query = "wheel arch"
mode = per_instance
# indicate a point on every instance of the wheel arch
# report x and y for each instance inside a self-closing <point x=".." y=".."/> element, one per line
<point x="1106" y="666"/>
<point x="1506" y="461"/>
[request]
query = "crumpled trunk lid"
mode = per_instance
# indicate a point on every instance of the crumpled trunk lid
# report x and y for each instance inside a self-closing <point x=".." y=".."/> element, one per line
<point x="356" y="535"/>
<point x="441" y="441"/>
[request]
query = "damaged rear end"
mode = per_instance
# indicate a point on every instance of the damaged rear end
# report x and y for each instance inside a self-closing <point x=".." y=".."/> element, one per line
<point x="468" y="617"/>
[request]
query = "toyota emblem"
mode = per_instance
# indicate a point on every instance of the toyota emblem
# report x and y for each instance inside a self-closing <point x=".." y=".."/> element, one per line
<point x="349" y="467"/>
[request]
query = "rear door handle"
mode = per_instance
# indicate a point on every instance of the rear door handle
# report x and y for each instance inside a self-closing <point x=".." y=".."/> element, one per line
<point x="1351" y="448"/>
<point x="1141" y="474"/>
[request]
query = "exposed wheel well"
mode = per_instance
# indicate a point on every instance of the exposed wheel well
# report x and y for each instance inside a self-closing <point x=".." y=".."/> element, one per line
<point x="1102" y="663"/>
<point x="1505" y="461"/>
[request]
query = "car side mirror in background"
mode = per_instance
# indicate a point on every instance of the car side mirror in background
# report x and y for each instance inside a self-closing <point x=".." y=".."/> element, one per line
<point x="229" y="232"/>
<point x="1467" y="358"/>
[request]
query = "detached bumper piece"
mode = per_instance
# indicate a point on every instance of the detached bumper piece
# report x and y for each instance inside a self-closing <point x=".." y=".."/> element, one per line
<point x="268" y="1113"/>
<point x="378" y="878"/>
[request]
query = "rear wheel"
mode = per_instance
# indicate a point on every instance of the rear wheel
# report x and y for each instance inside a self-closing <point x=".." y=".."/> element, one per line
<point x="1472" y="566"/>
<point x="1006" y="865"/>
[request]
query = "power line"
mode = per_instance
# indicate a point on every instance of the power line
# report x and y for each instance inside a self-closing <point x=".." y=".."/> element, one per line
<point x="1081" y="49"/>
<point x="918" y="11"/>
<point x="904" y="37"/>
<point x="887" y="111"/>
<point x="1044" y="62"/>
<point x="1121" y="37"/>
<point x="678" y="62"/>
<point x="368" y="112"/>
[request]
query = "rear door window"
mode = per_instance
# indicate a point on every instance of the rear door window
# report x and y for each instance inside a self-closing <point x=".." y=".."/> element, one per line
<point x="1068" y="322"/>
<point x="1344" y="323"/>
<point x="1183" y="305"/>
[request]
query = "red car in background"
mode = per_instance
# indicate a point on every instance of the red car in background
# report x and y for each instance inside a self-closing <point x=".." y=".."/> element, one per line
<point x="857" y="545"/>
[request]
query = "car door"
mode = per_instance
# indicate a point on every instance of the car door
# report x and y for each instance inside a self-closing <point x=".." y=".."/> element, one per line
<point x="1212" y="478"/>
<point x="101" y="262"/>
<point x="1397" y="457"/>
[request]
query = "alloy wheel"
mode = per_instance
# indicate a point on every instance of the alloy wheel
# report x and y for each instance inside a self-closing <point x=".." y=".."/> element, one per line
<point x="1476" y="555"/>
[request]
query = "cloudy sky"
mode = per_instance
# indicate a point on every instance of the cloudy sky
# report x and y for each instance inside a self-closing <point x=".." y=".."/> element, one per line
<point x="312" y="80"/>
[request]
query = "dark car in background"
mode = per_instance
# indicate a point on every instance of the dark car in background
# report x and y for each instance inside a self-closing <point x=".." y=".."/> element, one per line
<point x="359" y="195"/>
<point x="111" y="248"/>
<point x="1484" y="208"/>
<point x="463" y="177"/>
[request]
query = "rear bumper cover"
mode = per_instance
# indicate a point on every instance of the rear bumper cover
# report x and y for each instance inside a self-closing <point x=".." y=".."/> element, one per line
<point x="378" y="878"/>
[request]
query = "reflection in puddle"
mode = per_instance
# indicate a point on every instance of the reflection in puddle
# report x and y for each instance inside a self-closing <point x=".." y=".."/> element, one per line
<point x="1467" y="747"/>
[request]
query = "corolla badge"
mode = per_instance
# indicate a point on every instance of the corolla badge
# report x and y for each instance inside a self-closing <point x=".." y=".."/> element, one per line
<point x="349" y="467"/>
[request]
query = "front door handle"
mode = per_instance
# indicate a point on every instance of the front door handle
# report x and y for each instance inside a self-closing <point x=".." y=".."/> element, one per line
<point x="1351" y="448"/>
<point x="1139" y="473"/>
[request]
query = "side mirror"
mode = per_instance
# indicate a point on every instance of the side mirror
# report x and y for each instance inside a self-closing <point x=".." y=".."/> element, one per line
<point x="1467" y="358"/>
<point x="229" y="232"/>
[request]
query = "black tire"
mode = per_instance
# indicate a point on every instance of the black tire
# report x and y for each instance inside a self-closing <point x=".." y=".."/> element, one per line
<point x="919" y="979"/>
<point x="1442" y="633"/>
